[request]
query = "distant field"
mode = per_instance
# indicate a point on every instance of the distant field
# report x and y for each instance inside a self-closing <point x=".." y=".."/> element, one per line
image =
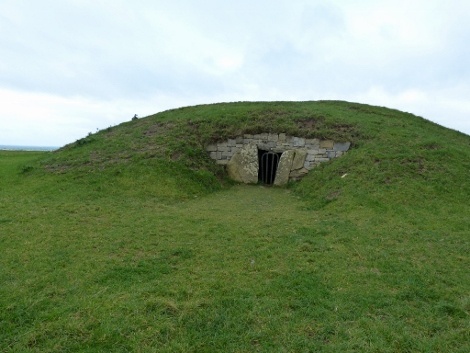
<point x="26" y="148"/>
<point x="128" y="241"/>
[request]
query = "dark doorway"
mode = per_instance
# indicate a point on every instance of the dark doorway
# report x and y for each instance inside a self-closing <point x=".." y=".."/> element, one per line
<point x="268" y="162"/>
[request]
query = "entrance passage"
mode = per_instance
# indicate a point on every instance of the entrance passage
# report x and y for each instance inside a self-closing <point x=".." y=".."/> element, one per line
<point x="268" y="162"/>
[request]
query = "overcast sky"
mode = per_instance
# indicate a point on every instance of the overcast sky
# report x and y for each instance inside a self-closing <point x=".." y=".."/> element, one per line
<point x="69" y="67"/>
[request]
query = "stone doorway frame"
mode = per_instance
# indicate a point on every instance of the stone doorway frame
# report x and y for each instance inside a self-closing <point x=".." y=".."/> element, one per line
<point x="299" y="155"/>
<point x="268" y="163"/>
<point x="244" y="165"/>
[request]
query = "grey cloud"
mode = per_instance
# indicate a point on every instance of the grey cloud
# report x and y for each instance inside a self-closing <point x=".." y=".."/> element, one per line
<point x="201" y="52"/>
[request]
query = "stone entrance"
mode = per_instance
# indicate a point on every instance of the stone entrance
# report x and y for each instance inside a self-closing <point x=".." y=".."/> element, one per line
<point x="287" y="157"/>
<point x="268" y="163"/>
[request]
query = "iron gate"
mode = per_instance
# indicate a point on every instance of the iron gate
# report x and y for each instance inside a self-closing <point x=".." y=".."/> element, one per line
<point x="268" y="167"/>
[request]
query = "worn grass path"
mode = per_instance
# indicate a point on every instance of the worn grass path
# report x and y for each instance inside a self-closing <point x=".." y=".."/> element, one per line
<point x="245" y="269"/>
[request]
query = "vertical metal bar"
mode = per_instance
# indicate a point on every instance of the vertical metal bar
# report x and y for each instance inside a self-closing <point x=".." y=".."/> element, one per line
<point x="265" y="168"/>
<point x="268" y="167"/>
<point x="274" y="167"/>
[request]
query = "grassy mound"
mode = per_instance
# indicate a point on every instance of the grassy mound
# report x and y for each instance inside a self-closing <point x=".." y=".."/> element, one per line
<point x="132" y="239"/>
<point x="167" y="150"/>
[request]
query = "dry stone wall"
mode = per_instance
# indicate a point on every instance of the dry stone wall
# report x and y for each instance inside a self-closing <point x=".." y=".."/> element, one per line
<point x="305" y="153"/>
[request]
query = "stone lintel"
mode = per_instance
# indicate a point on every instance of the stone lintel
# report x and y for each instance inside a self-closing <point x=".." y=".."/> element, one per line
<point x="263" y="146"/>
<point x="278" y="149"/>
<point x="273" y="137"/>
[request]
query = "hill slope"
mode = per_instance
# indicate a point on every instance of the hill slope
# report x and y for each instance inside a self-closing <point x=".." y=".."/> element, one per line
<point x="131" y="239"/>
<point x="174" y="141"/>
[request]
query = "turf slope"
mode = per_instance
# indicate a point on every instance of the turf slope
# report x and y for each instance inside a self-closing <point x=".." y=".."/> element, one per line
<point x="132" y="240"/>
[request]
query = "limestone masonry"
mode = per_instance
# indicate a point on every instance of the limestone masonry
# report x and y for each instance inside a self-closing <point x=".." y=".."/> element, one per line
<point x="298" y="155"/>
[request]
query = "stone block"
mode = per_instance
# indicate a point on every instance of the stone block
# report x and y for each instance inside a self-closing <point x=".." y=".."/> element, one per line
<point x="311" y="147"/>
<point x="263" y="146"/>
<point x="313" y="151"/>
<point x="284" y="168"/>
<point x="298" y="142"/>
<point x="239" y="139"/>
<point x="246" y="141"/>
<point x="223" y="148"/>
<point x="264" y="136"/>
<point x="211" y="148"/>
<point x="213" y="155"/>
<point x="227" y="155"/>
<point x="298" y="173"/>
<point x="326" y="144"/>
<point x="282" y="137"/>
<point x="331" y="154"/>
<point x="299" y="159"/>
<point x="341" y="146"/>
<point x="247" y="136"/>
<point x="322" y="160"/>
<point x="308" y="165"/>
<point x="271" y="144"/>
<point x="313" y="142"/>
<point x="231" y="143"/>
<point x="273" y="137"/>
<point x="310" y="157"/>
<point x="243" y="166"/>
<point x="219" y="155"/>
<point x="222" y="161"/>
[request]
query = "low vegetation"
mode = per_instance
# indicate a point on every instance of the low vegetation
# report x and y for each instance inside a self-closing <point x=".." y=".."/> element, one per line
<point x="133" y="240"/>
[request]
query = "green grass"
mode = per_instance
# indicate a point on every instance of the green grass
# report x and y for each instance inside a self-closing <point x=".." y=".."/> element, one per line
<point x="135" y="242"/>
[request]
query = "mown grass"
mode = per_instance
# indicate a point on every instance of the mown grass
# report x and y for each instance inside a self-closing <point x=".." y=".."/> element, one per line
<point x="109" y="247"/>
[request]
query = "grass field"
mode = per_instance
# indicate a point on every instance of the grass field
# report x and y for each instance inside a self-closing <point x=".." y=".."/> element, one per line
<point x="127" y="241"/>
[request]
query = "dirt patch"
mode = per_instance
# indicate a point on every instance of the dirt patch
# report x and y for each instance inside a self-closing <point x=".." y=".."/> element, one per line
<point x="158" y="129"/>
<point x="431" y="146"/>
<point x="309" y="124"/>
